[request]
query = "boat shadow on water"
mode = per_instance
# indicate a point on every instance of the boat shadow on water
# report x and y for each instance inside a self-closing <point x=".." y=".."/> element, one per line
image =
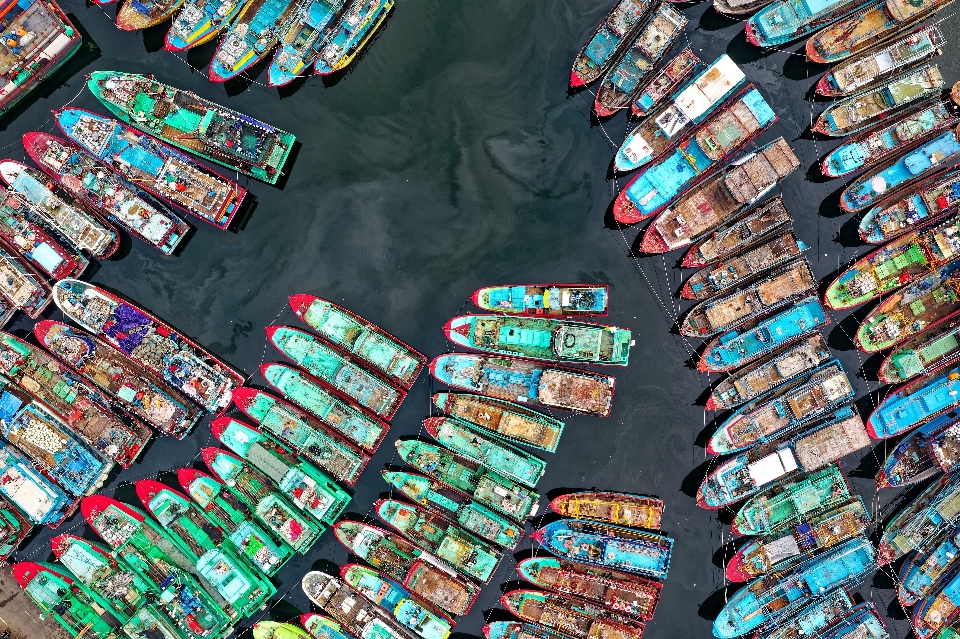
<point x="841" y="337"/>
<point x="726" y="552"/>
<point x="830" y="207"/>
<point x="814" y="175"/>
<point x="154" y="37"/>
<point x="199" y="57"/>
<point x="712" y="20"/>
<point x="872" y="461"/>
<point x="742" y="52"/>
<point x="710" y="607"/>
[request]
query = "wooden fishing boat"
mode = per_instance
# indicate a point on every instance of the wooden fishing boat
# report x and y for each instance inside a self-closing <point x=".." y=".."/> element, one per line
<point x="943" y="443"/>
<point x="919" y="524"/>
<point x="932" y="349"/>
<point x="142" y="14"/>
<point x="924" y="572"/>
<point x="786" y="20"/>
<point x="910" y="461"/>
<point x="664" y="82"/>
<point x="621" y="509"/>
<point x="544" y="299"/>
<point x="37" y="241"/>
<point x="362" y="618"/>
<point x="611" y="36"/>
<point x="252" y="35"/>
<point x="575" y="618"/>
<point x="931" y="200"/>
<point x="420" y="618"/>
<point x="507" y="420"/>
<point x="21" y="286"/>
<point x="759" y="224"/>
<point x="300" y="43"/>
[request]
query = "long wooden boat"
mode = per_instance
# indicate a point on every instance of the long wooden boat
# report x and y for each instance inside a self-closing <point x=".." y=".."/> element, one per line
<point x="622" y="509"/>
<point x="607" y="546"/>
<point x="926" y="352"/>
<point x="910" y="462"/>
<point x="143" y="14"/>
<point x="919" y="522"/>
<point x="21" y="286"/>
<point x="930" y="201"/>
<point x="757" y="225"/>
<point x="608" y="40"/>
<point x="419" y="617"/>
<point x="507" y="420"/>
<point x="37" y="496"/>
<point x="924" y="572"/>
<point x="664" y="82"/>
<point x="38" y="241"/>
<point x="574" y="618"/>
<point x="363" y="618"/>
<point x="544" y="299"/>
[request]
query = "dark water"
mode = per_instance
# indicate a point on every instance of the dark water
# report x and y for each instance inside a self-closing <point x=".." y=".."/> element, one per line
<point x="450" y="158"/>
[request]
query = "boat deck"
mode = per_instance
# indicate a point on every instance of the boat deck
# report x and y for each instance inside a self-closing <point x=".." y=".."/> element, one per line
<point x="27" y="32"/>
<point x="833" y="442"/>
<point x="765" y="219"/>
<point x="771" y="164"/>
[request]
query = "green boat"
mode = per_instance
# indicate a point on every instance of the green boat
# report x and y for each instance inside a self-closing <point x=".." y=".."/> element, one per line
<point x="417" y="616"/>
<point x="495" y="454"/>
<point x="472" y="516"/>
<point x="310" y="489"/>
<point x="362" y="618"/>
<point x="469" y="477"/>
<point x="305" y="434"/>
<point x="507" y="420"/>
<point x="551" y="340"/>
<point x="317" y="398"/>
<point x="321" y="627"/>
<point x="333" y="367"/>
<point x="277" y="630"/>
<point x="436" y="535"/>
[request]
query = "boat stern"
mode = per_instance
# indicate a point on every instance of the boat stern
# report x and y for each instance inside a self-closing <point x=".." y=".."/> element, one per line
<point x="10" y="169"/>
<point x="24" y="572"/>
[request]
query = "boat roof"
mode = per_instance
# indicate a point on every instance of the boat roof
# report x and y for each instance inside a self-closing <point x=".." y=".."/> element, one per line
<point x="709" y="87"/>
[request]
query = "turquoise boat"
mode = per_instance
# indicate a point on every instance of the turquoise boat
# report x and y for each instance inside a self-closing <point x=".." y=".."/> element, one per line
<point x="35" y="494"/>
<point x="923" y="572"/>
<point x="360" y="617"/>
<point x="506" y="420"/>
<point x="299" y="44"/>
<point x="811" y="619"/>
<point x="518" y="630"/>
<point x="419" y="617"/>
<point x="356" y="27"/>
<point x="200" y="21"/>
<point x="544" y="299"/>
<point x="930" y="201"/>
<point x="918" y="524"/>
<point x="253" y="34"/>
<point x="787" y="20"/>
<point x="915" y="404"/>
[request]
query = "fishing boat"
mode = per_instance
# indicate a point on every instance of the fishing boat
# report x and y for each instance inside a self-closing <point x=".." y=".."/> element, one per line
<point x="780" y="288"/>
<point x="868" y="69"/>
<point x="161" y="170"/>
<point x="136" y="16"/>
<point x="763" y="336"/>
<point x="367" y="342"/>
<point x="911" y="309"/>
<point x="87" y="231"/>
<point x="550" y="340"/>
<point x="607" y="546"/>
<point x="621" y="592"/>
<point x="310" y="489"/>
<point x="148" y="340"/>
<point x="338" y="370"/>
<point x="786" y="20"/>
<point x="915" y="404"/>
<point x="664" y="82"/>
<point x="817" y="615"/>
<point x="928" y="351"/>
<point x="419" y="617"/>
<point x="436" y="535"/>
<point x="525" y="381"/>
<point x="622" y="509"/>
<point x="769" y="373"/>
<point x="294" y="526"/>
<point x="787" y="503"/>
<point x="299" y="44"/>
<point x="613" y="34"/>
<point x="688" y="107"/>
<point x="748" y="473"/>
<point x="33" y="492"/>
<point x="318" y="398"/>
<point x="931" y="200"/>
<point x="473" y="443"/>
<point x="14" y="527"/>
<point x="513" y="422"/>
<point x="739" y="8"/>
<point x="21" y="286"/>
<point x="921" y="521"/>
<point x="924" y="572"/>
<point x="694" y="157"/>
<point x="200" y="21"/>
<point x="356" y="28"/>
<point x="544" y="299"/>
<point x="321" y="627"/>
<point x="943" y="444"/>
<point x="654" y="39"/>
<point x="938" y="611"/>
<point x="518" y="630"/>
<point x="136" y="391"/>
<point x="251" y="36"/>
<point x="185" y="120"/>
<point x="794" y="544"/>
<point x="425" y="575"/>
<point x="362" y="618"/>
<point x="471" y="478"/>
<point x="84" y="408"/>
<point x="866" y="108"/>
<point x="37" y="241"/>
<point x="777" y="595"/>
<point x="910" y="462"/>
<point x="305" y="434"/>
<point x="572" y="617"/>
<point x="865" y="622"/>
<point x="277" y="630"/>
<point x="760" y="224"/>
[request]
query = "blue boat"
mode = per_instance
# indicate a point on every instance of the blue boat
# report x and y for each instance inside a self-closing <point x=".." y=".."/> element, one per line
<point x="787" y="20"/>
<point x="253" y="35"/>
<point x="918" y="524"/>
<point x="923" y="572"/>
<point x="911" y="462"/>
<point x="864" y="622"/>
<point x="915" y="404"/>
<point x="938" y="611"/>
<point x="418" y="617"/>
<point x="608" y="40"/>
<point x="814" y="617"/>
<point x="200" y="21"/>
<point x="750" y="341"/>
<point x="778" y="595"/>
<point x="616" y="547"/>
<point x="299" y="45"/>
<point x="354" y="31"/>
<point x="38" y="497"/>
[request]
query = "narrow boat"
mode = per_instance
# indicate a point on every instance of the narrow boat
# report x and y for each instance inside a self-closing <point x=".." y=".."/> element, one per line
<point x="518" y="630"/>
<point x="14" y="528"/>
<point x="85" y="230"/>
<point x="367" y="342"/>
<point x="760" y="337"/>
<point x="620" y="592"/>
<point x="322" y="402"/>
<point x="84" y="408"/>
<point x="607" y="546"/>
<point x="362" y="618"/>
<point x="911" y="462"/>
<point x="938" y="611"/>
<point x="259" y="492"/>
<point x="528" y="382"/>
<point x="425" y="575"/>
<point x="921" y="521"/>
<point x="157" y="346"/>
<point x="136" y="391"/>
<point x="21" y="286"/>
<point x="435" y="534"/>
<point x="762" y="222"/>
<point x="787" y="503"/>
<point x="277" y="630"/>
<point x="299" y="44"/>
<point x="469" y="477"/>
<point x="321" y="627"/>
<point x="252" y="35"/>
<point x="419" y="617"/>
<point x="864" y="623"/>
<point x="694" y="157"/>
<point x="786" y="20"/>
<point x="924" y="572"/>
<point x="943" y="444"/>
<point x="794" y="544"/>
<point x="185" y="120"/>
<point x="574" y="618"/>
<point x="544" y="299"/>
<point x="931" y="200"/>
<point x="306" y="435"/>
<point x="866" y="108"/>
<point x="748" y="473"/>
<point x="867" y="70"/>
<point x="201" y="21"/>
<point x="688" y="106"/>
<point x="664" y="82"/>
<point x="338" y="370"/>
<point x="813" y="618"/>
<point x="915" y="404"/>
<point x="308" y="487"/>
<point x="497" y="455"/>
<point x="357" y="26"/>
<point x="93" y="183"/>
<point x="608" y="40"/>
<point x="37" y="241"/>
<point x="36" y="495"/>
<point x="654" y="39"/>
<point x="769" y="373"/>
<point x="622" y="509"/>
<point x="777" y="595"/>
<point x="911" y="309"/>
<point x="513" y="422"/>
<point x="161" y="170"/>
<point x="928" y="351"/>
<point x="143" y="14"/>
<point x="782" y="287"/>
<point x="550" y="340"/>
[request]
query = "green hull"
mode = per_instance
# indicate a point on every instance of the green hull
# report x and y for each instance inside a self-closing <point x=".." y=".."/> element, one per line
<point x="786" y="504"/>
<point x="275" y="630"/>
<point x="72" y="604"/>
<point x="507" y="420"/>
